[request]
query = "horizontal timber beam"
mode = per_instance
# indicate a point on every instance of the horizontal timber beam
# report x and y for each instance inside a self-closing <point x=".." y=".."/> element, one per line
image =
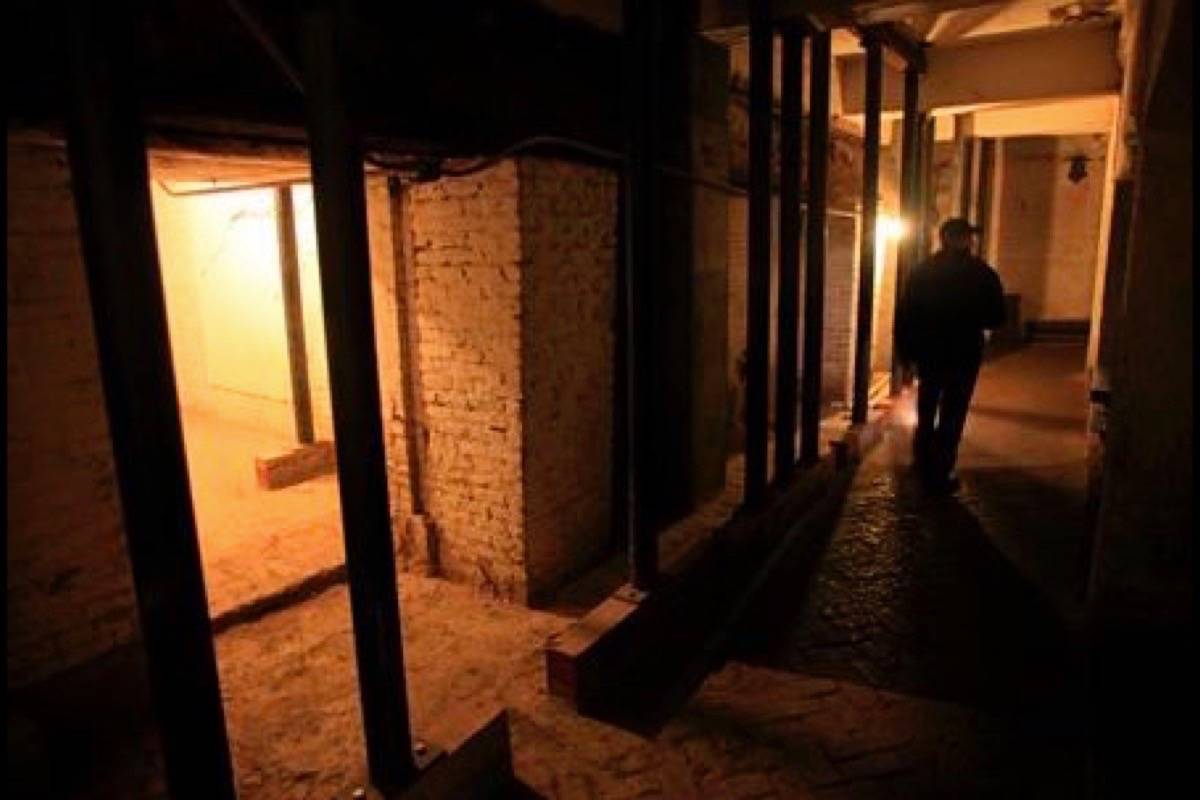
<point x="1030" y="67"/>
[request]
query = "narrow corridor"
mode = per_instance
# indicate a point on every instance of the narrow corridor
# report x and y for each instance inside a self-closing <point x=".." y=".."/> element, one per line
<point x="927" y="646"/>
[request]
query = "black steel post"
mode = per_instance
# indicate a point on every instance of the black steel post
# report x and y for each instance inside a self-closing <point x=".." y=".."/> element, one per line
<point x="866" y="246"/>
<point x="787" y="364"/>
<point x="107" y="153"/>
<point x="758" y="245"/>
<point x="341" y="215"/>
<point x="293" y="314"/>
<point x="906" y="252"/>
<point x="814" y="262"/>
<point x="927" y="192"/>
<point x="638" y="197"/>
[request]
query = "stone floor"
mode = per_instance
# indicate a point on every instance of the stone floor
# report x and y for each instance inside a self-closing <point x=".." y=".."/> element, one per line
<point x="924" y="651"/>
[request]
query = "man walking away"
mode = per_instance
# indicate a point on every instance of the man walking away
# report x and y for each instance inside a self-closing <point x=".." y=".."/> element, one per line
<point x="950" y="300"/>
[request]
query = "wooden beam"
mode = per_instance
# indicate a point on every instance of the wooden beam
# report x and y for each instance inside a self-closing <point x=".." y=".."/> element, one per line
<point x="866" y="247"/>
<point x="1059" y="118"/>
<point x="897" y="39"/>
<point x="814" y="265"/>
<point x="340" y="202"/>
<point x="718" y="15"/>
<point x="790" y="174"/>
<point x="873" y="11"/>
<point x="106" y="148"/>
<point x="1029" y="67"/>
<point x="293" y="314"/>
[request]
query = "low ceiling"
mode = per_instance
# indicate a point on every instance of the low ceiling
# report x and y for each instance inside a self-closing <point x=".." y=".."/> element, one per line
<point x="963" y="23"/>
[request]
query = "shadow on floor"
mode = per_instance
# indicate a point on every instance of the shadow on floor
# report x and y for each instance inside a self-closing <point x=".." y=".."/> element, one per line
<point x="911" y="595"/>
<point x="700" y="642"/>
<point x="1030" y="418"/>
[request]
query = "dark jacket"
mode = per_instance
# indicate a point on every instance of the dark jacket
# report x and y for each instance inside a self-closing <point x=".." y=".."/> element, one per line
<point x="949" y="300"/>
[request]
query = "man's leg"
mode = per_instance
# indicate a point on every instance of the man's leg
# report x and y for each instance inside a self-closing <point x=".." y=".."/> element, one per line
<point x="956" y="400"/>
<point x="929" y="395"/>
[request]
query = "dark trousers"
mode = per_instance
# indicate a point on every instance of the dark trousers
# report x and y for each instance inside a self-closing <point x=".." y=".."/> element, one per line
<point x="943" y="397"/>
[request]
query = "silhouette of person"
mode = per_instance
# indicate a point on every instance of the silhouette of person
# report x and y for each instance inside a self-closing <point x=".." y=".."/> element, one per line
<point x="950" y="300"/>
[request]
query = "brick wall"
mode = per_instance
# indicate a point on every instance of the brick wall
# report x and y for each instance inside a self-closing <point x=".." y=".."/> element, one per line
<point x="70" y="594"/>
<point x="841" y="275"/>
<point x="568" y="240"/>
<point x="510" y="279"/>
<point x="466" y="265"/>
<point x="841" y="308"/>
<point x="841" y="267"/>
<point x="511" y="276"/>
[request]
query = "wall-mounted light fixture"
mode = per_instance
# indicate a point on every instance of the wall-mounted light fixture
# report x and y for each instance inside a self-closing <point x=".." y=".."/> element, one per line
<point x="1078" y="169"/>
<point x="888" y="228"/>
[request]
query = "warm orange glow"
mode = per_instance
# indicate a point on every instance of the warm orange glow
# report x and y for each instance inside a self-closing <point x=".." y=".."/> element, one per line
<point x="889" y="228"/>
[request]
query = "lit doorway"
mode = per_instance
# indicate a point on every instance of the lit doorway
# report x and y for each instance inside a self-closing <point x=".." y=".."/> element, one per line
<point x="237" y="246"/>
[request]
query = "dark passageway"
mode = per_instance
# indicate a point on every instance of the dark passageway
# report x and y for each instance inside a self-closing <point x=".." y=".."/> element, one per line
<point x="557" y="439"/>
<point x="931" y="609"/>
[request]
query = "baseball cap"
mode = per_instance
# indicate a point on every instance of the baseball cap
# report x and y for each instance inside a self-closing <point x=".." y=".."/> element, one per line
<point x="957" y="226"/>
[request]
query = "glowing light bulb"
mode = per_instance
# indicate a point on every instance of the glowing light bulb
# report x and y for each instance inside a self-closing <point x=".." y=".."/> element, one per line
<point x="889" y="228"/>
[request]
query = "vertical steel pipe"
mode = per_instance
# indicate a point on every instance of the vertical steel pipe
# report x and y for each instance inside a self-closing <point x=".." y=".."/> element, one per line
<point x="107" y="153"/>
<point x="814" y="262"/>
<point x="867" y="240"/>
<point x="787" y="365"/>
<point x="340" y="202"/>
<point x="758" y="245"/>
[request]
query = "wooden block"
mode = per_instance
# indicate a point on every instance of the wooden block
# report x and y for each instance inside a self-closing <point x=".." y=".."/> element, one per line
<point x="299" y="465"/>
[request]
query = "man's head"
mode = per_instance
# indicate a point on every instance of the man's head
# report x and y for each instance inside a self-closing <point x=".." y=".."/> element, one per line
<point x="956" y="234"/>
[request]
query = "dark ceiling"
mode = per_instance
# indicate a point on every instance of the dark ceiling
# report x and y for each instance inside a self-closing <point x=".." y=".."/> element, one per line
<point x="451" y="75"/>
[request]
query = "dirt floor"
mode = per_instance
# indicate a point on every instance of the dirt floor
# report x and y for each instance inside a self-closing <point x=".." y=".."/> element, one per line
<point x="255" y="543"/>
<point x="924" y="651"/>
<point x="899" y="703"/>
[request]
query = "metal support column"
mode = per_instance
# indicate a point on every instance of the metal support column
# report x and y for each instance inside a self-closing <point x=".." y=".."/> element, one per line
<point x="909" y="160"/>
<point x="293" y="314"/>
<point x="814" y="263"/>
<point x="107" y="152"/>
<point x="929" y="221"/>
<point x="758" y="245"/>
<point x="637" y="204"/>
<point x="866" y="247"/>
<point x="341" y="215"/>
<point x="790" y="172"/>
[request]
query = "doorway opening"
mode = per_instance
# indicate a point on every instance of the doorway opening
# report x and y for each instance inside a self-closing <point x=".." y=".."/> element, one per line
<point x="237" y="246"/>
